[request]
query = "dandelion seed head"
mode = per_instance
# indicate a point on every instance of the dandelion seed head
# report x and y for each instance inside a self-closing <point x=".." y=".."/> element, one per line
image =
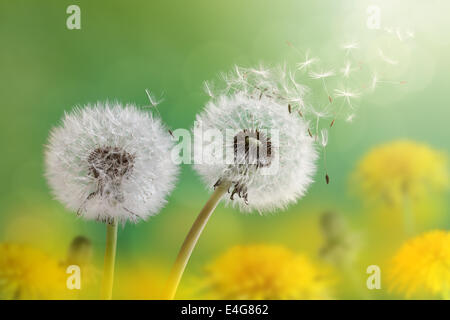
<point x="256" y="124"/>
<point x="107" y="161"/>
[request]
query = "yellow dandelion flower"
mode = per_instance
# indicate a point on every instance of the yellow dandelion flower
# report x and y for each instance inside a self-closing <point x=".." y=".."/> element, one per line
<point x="266" y="272"/>
<point x="141" y="283"/>
<point x="423" y="265"/>
<point x="28" y="273"/>
<point x="401" y="169"/>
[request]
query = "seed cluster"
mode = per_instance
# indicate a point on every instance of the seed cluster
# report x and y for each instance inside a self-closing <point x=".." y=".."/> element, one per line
<point x="109" y="164"/>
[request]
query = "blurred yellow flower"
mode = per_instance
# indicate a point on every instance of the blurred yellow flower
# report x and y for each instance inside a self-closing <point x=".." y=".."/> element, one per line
<point x="266" y="272"/>
<point x="140" y="283"/>
<point x="28" y="273"/>
<point x="401" y="168"/>
<point x="423" y="265"/>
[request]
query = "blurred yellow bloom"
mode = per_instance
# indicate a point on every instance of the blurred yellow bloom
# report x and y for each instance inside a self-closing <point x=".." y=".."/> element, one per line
<point x="401" y="168"/>
<point x="266" y="272"/>
<point x="27" y="273"/>
<point x="423" y="265"/>
<point x="140" y="283"/>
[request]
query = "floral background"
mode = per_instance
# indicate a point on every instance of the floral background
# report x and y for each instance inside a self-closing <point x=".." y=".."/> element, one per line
<point x="389" y="184"/>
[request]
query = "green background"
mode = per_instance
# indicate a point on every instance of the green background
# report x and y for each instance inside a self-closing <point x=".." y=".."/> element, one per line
<point x="171" y="48"/>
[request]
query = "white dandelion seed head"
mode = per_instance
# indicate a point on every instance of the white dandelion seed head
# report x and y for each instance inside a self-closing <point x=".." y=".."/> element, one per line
<point x="107" y="161"/>
<point x="285" y="154"/>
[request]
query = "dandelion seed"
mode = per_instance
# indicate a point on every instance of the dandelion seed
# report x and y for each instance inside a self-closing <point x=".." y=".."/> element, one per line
<point x="374" y="81"/>
<point x="324" y="137"/>
<point x="347" y="69"/>
<point x="261" y="71"/>
<point x="153" y="101"/>
<point x="207" y="86"/>
<point x="306" y="63"/>
<point x="410" y="34"/>
<point x="350" y="118"/>
<point x="346" y="94"/>
<point x="399" y="34"/>
<point x="321" y="75"/>
<point x="386" y="58"/>
<point x="348" y="47"/>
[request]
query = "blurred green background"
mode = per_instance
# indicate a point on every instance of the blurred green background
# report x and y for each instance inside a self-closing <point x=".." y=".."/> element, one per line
<point x="171" y="48"/>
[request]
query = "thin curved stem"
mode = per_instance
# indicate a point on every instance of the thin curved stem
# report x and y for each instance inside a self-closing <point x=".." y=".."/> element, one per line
<point x="110" y="257"/>
<point x="191" y="240"/>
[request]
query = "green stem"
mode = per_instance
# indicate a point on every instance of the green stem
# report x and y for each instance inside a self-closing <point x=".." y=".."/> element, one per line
<point x="191" y="240"/>
<point x="110" y="257"/>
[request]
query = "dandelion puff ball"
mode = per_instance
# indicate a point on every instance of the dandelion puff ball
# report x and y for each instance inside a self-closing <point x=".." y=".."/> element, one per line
<point x="258" y="127"/>
<point x="107" y="161"/>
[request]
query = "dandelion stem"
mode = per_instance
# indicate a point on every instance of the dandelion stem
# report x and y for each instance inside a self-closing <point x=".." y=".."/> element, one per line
<point x="110" y="257"/>
<point x="192" y="238"/>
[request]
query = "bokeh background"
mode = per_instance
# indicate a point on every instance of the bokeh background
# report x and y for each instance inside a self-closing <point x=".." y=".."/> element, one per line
<point x="171" y="48"/>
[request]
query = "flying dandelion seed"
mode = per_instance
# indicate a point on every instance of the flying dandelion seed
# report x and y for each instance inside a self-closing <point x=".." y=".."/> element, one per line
<point x="306" y="63"/>
<point x="386" y="58"/>
<point x="350" y="118"/>
<point x="322" y="76"/>
<point x="347" y="69"/>
<point x="374" y="82"/>
<point x="349" y="47"/>
<point x="347" y="95"/>
<point x="208" y="89"/>
<point x="153" y="101"/>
